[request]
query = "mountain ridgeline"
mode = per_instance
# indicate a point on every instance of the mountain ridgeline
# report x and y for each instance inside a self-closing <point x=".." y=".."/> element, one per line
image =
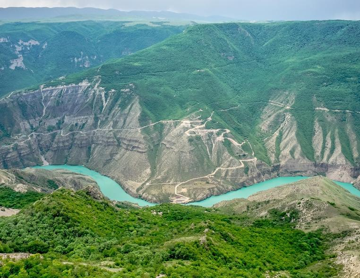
<point x="76" y="14"/>
<point x="212" y="109"/>
<point x="31" y="53"/>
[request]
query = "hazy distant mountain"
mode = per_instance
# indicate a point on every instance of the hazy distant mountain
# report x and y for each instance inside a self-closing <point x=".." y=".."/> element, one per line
<point x="33" y="52"/>
<point x="16" y="14"/>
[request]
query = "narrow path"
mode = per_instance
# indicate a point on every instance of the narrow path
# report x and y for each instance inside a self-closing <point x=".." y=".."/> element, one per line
<point x="106" y="268"/>
<point x="96" y="130"/>
<point x="231" y="108"/>
<point x="279" y="104"/>
<point x="335" y="110"/>
<point x="184" y="199"/>
<point x="198" y="127"/>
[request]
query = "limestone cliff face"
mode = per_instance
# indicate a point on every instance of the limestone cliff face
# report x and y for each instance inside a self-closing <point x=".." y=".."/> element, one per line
<point x="330" y="156"/>
<point x="79" y="124"/>
<point x="83" y="124"/>
<point x="170" y="160"/>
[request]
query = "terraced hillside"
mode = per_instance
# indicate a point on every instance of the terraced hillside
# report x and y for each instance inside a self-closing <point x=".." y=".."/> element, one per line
<point x="213" y="109"/>
<point x="34" y="52"/>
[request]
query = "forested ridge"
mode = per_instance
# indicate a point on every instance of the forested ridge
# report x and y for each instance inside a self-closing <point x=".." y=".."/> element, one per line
<point x="78" y="236"/>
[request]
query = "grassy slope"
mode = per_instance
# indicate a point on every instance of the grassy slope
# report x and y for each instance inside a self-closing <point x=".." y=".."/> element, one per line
<point x="184" y="242"/>
<point x="66" y="41"/>
<point x="218" y="66"/>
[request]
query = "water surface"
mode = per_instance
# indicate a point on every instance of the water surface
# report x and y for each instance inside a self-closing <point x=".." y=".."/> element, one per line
<point x="114" y="191"/>
<point x="247" y="191"/>
<point x="108" y="187"/>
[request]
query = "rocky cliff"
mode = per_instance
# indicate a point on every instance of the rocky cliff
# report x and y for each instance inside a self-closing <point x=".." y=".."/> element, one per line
<point x="85" y="125"/>
<point x="174" y="160"/>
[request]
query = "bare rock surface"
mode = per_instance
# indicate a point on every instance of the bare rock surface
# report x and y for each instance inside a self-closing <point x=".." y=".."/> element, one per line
<point x="170" y="160"/>
<point x="6" y="212"/>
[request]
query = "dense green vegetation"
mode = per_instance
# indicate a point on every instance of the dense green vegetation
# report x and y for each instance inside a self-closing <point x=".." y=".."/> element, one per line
<point x="78" y="236"/>
<point x="62" y="48"/>
<point x="12" y="199"/>
<point x="241" y="66"/>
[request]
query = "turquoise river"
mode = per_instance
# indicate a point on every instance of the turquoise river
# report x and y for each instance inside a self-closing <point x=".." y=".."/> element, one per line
<point x="114" y="191"/>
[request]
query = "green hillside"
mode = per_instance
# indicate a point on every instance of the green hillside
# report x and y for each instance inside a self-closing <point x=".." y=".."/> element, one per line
<point x="321" y="204"/>
<point x="243" y="66"/>
<point x="51" y="50"/>
<point x="82" y="237"/>
<point x="12" y="199"/>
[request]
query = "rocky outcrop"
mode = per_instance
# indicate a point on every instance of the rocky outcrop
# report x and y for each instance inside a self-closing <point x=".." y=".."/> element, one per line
<point x="94" y="192"/>
<point x="45" y="181"/>
<point x="7" y="212"/>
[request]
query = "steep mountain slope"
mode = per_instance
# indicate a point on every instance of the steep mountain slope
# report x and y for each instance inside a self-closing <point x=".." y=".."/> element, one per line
<point x="79" y="236"/>
<point x="319" y="204"/>
<point x="210" y="110"/>
<point x="31" y="53"/>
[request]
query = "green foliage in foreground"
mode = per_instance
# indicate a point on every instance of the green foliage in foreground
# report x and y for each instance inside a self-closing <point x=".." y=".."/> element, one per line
<point x="76" y="233"/>
<point x="12" y="199"/>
